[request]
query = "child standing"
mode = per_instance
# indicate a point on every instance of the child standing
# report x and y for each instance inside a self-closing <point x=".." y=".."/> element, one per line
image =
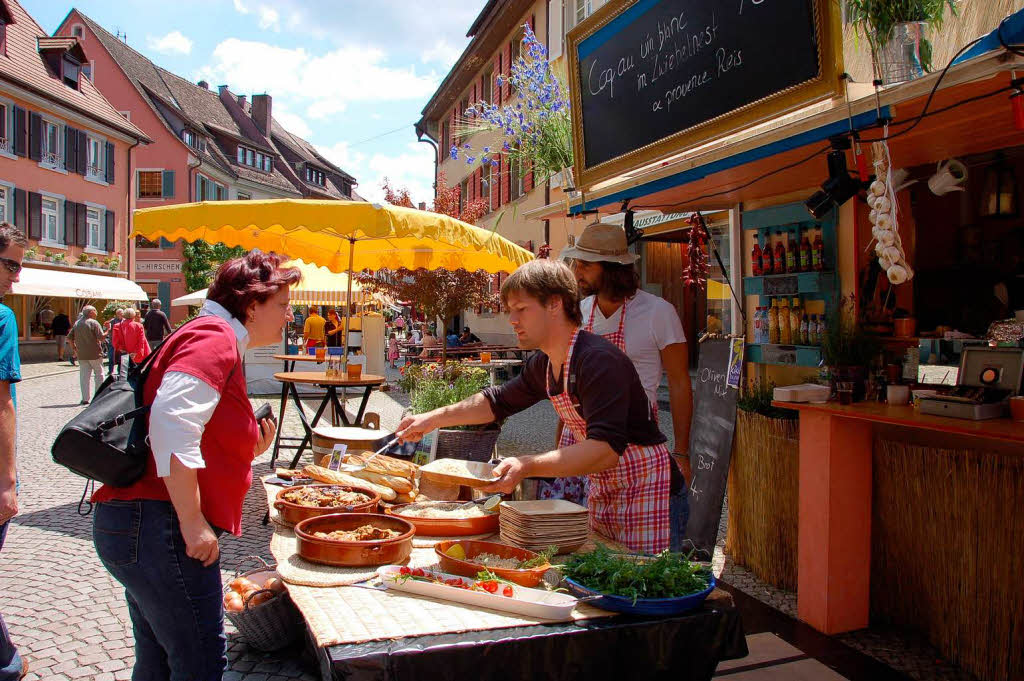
<point x="392" y="349"/>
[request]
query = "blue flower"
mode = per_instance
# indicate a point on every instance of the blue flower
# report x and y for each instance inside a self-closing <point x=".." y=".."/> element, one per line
<point x="469" y="160"/>
<point x="487" y="150"/>
<point x="454" y="152"/>
<point x="494" y="163"/>
<point x="466" y="146"/>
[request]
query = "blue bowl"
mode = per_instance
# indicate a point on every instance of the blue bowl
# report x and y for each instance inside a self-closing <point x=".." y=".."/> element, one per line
<point x="643" y="606"/>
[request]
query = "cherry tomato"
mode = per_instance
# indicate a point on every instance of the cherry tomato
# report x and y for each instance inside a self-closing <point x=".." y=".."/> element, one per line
<point x="405" y="571"/>
<point x="507" y="592"/>
<point x="490" y="586"/>
<point x="417" y="572"/>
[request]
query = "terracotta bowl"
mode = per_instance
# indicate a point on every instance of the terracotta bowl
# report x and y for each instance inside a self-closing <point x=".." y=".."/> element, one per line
<point x="354" y="553"/>
<point x="447" y="527"/>
<point x="295" y="513"/>
<point x="467" y="568"/>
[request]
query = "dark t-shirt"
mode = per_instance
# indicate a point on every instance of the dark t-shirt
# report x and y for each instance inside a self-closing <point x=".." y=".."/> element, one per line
<point x="61" y="325"/>
<point x="156" y="325"/>
<point x="604" y="384"/>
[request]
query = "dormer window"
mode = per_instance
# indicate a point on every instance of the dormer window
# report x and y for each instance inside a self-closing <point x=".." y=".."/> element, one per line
<point x="77" y="30"/>
<point x="316" y="176"/>
<point x="190" y="138"/>
<point x="254" y="159"/>
<point x="70" y="69"/>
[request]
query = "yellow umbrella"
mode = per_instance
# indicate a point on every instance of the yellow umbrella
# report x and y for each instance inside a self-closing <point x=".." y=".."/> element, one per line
<point x="340" y="235"/>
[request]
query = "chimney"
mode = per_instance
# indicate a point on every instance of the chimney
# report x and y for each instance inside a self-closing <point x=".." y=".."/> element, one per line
<point x="203" y="84"/>
<point x="241" y="101"/>
<point x="261" y="113"/>
<point x="221" y="89"/>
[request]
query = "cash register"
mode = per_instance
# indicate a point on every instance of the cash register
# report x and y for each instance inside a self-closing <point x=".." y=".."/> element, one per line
<point x="988" y="378"/>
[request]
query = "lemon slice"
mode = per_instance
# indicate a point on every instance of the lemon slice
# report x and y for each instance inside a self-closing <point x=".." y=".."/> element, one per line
<point x="456" y="551"/>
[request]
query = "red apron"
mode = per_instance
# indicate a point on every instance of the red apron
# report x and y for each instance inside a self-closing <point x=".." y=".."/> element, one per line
<point x="628" y="503"/>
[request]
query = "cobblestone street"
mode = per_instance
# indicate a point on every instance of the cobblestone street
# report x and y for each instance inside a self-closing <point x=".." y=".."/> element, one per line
<point x="69" y="617"/>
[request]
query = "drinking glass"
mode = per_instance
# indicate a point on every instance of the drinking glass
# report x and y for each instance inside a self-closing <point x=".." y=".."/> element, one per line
<point x="485" y="357"/>
<point x="845" y="391"/>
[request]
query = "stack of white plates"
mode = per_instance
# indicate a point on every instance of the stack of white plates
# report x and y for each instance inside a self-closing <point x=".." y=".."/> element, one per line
<point x="536" y="525"/>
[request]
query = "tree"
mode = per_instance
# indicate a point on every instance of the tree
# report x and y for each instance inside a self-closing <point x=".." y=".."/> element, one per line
<point x="446" y="200"/>
<point x="439" y="293"/>
<point x="202" y="260"/>
<point x="396" y="197"/>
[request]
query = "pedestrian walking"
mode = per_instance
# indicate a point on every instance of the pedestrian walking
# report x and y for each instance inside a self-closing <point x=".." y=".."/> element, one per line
<point x="12" y="250"/>
<point x="133" y="337"/>
<point x="156" y="324"/>
<point x="87" y="340"/>
<point x="61" y="325"/>
<point x="158" y="537"/>
<point x="392" y="349"/>
<point x="113" y="356"/>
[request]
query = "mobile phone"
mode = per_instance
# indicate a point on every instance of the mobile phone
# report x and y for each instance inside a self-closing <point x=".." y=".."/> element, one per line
<point x="265" y="412"/>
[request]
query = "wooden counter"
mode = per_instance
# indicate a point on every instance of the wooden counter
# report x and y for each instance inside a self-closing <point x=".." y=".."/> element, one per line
<point x="835" y="506"/>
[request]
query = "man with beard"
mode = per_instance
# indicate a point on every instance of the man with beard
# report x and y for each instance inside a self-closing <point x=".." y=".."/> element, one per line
<point x="647" y="329"/>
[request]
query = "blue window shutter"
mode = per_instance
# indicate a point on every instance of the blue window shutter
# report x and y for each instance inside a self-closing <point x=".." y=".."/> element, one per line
<point x="163" y="292"/>
<point x="199" y="185"/>
<point x="168" y="184"/>
<point x="164" y="243"/>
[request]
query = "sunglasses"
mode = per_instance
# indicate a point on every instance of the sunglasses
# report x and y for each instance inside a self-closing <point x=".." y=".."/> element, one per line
<point x="13" y="266"/>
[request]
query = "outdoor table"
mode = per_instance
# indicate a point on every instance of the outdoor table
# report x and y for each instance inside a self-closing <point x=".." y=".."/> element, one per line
<point x="493" y="366"/>
<point x="680" y="647"/>
<point x="319" y="378"/>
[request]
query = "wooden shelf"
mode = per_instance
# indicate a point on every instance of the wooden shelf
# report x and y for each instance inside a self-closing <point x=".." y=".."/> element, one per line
<point x="784" y="355"/>
<point x="787" y="285"/>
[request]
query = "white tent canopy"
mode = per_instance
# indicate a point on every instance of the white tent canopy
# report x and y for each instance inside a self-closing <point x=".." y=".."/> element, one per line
<point x="57" y="284"/>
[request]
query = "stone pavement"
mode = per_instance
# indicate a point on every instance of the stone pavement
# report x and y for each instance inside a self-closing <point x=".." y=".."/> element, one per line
<point x="68" y="615"/>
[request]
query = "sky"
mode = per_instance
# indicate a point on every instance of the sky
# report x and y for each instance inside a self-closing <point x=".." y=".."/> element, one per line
<point x="351" y="77"/>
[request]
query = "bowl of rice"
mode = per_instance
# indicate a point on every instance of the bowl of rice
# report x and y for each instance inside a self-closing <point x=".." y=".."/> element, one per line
<point x="501" y="559"/>
<point x="447" y="518"/>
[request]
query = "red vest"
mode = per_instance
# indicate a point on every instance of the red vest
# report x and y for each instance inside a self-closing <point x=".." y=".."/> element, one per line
<point x="206" y="349"/>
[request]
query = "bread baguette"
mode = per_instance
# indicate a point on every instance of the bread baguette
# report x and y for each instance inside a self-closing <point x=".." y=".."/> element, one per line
<point x="407" y="498"/>
<point x="400" y="485"/>
<point x="336" y="477"/>
<point x="385" y="465"/>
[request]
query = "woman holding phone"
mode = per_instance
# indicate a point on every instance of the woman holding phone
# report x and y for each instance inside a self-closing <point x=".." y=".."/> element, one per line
<point x="159" y="536"/>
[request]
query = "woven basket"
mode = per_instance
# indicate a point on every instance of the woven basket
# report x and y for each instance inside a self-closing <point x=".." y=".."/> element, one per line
<point x="271" y="625"/>
<point x="468" y="445"/>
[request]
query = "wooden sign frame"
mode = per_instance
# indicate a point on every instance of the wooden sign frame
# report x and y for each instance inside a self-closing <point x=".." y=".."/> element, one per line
<point x="827" y="84"/>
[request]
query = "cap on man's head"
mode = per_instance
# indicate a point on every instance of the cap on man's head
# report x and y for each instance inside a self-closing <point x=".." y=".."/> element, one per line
<point x="600" y="242"/>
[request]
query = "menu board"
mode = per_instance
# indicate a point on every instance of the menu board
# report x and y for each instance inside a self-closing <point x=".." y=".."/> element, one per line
<point x="645" y="71"/>
<point x="714" y="422"/>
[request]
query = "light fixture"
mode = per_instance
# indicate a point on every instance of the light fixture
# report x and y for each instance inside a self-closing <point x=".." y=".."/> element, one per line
<point x="840" y="186"/>
<point x="999" y="194"/>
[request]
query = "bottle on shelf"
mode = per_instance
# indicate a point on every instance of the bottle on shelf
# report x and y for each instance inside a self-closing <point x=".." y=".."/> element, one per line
<point x="792" y="252"/>
<point x="821" y="328"/>
<point x="805" y="254"/>
<point x="785" y="330"/>
<point x="767" y="259"/>
<point x="805" y="338"/>
<point x="755" y="258"/>
<point x="812" y="330"/>
<point x="818" y="253"/>
<point x="796" y="312"/>
<point x="780" y="254"/>
<point x="773" y="322"/>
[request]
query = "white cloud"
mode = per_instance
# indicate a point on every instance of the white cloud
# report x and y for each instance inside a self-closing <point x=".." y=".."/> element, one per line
<point x="240" y="7"/>
<point x="172" y="43"/>
<point x="269" y="18"/>
<point x="442" y="52"/>
<point x="293" y="123"/>
<point x="412" y="169"/>
<point x="323" y="84"/>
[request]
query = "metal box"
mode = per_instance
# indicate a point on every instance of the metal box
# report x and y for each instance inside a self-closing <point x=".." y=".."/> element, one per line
<point x="997" y="371"/>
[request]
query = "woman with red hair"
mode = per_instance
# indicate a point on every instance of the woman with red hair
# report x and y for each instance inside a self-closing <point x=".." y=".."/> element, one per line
<point x="158" y="537"/>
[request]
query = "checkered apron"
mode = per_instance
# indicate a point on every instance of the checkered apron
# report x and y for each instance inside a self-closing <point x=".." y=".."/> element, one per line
<point x="630" y="502"/>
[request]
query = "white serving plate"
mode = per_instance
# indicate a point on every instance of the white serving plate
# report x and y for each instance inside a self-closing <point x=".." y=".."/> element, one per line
<point x="535" y="603"/>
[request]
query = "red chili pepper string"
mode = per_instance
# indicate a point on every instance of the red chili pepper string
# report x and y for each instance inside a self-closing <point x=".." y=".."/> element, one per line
<point x="695" y="272"/>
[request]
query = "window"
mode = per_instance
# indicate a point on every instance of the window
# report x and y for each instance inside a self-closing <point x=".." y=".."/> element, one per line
<point x="77" y="30"/>
<point x="584" y="8"/>
<point x="485" y="186"/>
<point x="255" y="159"/>
<point x="241" y="154"/>
<point x="52" y="137"/>
<point x="485" y="86"/>
<point x="71" y="69"/>
<point x="4" y="195"/>
<point x="266" y="164"/>
<point x="143" y="242"/>
<point x="515" y="171"/>
<point x="243" y="197"/>
<point x="190" y="138"/>
<point x="445" y="141"/>
<point x="51" y="232"/>
<point x="315" y="176"/>
<point x="94" y="220"/>
<point x="208" y="190"/>
<point x="5" y="127"/>
<point x="248" y="157"/>
<point x="96" y="157"/>
<point x="463" y="195"/>
<point x="151" y="184"/>
<point x="87" y="69"/>
<point x="517" y="53"/>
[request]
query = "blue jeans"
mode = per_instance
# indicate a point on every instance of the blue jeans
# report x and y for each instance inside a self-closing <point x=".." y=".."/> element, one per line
<point x="174" y="602"/>
<point x="10" y="661"/>
<point x="679" y="515"/>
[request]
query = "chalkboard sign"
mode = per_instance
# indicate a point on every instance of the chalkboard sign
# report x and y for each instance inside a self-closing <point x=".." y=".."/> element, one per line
<point x="788" y="285"/>
<point x="680" y="72"/>
<point x="714" y="421"/>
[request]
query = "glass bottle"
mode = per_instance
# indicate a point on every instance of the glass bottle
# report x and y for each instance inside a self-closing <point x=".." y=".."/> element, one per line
<point x="785" y="330"/>
<point x="773" y="322"/>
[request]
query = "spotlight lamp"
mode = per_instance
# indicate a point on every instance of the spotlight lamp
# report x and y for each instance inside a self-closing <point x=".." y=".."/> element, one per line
<point x="840" y="186"/>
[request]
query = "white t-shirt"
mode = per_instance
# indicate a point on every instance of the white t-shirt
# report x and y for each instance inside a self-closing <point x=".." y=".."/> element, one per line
<point x="652" y="323"/>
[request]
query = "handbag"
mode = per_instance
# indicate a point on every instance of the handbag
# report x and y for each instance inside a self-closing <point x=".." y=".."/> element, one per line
<point x="107" y="441"/>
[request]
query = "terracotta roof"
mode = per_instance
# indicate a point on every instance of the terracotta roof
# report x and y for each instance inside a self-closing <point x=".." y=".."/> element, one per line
<point x="25" y="67"/>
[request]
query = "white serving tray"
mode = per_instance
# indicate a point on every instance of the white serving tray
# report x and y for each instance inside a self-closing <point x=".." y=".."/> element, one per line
<point x="534" y="603"/>
<point x="806" y="392"/>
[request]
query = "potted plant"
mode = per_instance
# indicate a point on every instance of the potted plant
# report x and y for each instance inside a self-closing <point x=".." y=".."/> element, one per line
<point x="847" y="349"/>
<point x="83" y="260"/>
<point x="60" y="258"/>
<point x="114" y="262"/>
<point x="31" y="253"/>
<point x="435" y="385"/>
<point x="895" y="32"/>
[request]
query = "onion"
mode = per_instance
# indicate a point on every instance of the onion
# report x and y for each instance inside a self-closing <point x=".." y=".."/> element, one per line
<point x="878" y="188"/>
<point x="897" y="274"/>
<point x="883" y="204"/>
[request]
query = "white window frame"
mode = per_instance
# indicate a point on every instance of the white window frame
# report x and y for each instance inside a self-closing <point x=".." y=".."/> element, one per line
<point x="518" y="186"/>
<point x="584" y="7"/>
<point x="243" y="196"/>
<point x="487" y="174"/>
<point x="88" y="69"/>
<point x="185" y="133"/>
<point x="211" y="181"/>
<point x="268" y="163"/>
<point x="50" y="159"/>
<point x="44" y="238"/>
<point x="98" y="246"/>
<point x="7" y="201"/>
<point x="96" y="171"/>
<point x="7" y="134"/>
<point x="241" y="155"/>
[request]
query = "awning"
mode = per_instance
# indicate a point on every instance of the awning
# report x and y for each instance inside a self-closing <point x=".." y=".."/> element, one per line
<point x="58" y="284"/>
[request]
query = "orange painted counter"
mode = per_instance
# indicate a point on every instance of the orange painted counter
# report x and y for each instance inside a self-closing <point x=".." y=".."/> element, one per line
<point x="834" y="537"/>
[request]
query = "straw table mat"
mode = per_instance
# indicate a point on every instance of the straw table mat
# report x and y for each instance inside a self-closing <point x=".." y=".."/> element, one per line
<point x="355" y="615"/>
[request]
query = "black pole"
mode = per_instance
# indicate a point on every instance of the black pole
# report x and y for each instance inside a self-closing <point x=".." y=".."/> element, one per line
<point x="721" y="265"/>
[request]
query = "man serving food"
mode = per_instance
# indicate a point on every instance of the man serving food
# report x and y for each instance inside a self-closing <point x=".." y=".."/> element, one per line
<point x="597" y="394"/>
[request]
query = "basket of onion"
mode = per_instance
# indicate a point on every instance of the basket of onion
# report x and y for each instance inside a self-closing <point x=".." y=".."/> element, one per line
<point x="257" y="603"/>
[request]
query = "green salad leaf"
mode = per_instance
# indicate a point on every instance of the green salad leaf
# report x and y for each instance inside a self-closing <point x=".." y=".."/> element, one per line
<point x="667" y="575"/>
